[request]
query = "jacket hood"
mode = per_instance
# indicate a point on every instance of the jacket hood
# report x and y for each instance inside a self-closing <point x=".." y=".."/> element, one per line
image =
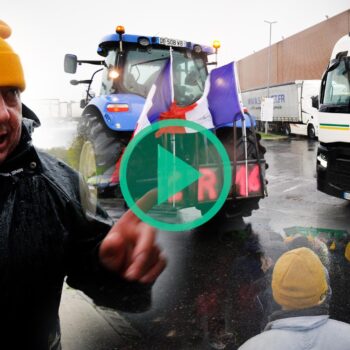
<point x="302" y="323"/>
<point x="30" y="120"/>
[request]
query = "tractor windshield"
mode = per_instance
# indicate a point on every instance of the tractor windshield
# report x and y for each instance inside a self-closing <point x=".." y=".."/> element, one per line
<point x="142" y="67"/>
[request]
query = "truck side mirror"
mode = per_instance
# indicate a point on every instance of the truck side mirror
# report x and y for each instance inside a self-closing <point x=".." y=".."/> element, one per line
<point x="70" y="63"/>
<point x="315" y="102"/>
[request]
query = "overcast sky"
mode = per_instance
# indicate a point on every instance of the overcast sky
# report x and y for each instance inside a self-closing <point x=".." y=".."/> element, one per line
<point x="43" y="31"/>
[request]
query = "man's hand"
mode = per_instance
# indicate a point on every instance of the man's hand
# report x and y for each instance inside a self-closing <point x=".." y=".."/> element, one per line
<point x="130" y="250"/>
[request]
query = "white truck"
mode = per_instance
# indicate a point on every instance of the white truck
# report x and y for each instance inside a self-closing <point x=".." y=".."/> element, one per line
<point x="333" y="155"/>
<point x="295" y="107"/>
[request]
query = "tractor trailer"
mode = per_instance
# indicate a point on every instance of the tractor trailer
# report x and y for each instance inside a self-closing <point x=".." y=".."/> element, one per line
<point x="295" y="107"/>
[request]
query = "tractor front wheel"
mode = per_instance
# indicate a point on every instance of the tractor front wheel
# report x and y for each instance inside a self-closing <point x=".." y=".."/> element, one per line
<point x="100" y="151"/>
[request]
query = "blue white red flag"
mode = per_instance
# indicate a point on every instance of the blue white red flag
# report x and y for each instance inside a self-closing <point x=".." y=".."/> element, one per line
<point x="223" y="96"/>
<point x="219" y="104"/>
<point x="159" y="98"/>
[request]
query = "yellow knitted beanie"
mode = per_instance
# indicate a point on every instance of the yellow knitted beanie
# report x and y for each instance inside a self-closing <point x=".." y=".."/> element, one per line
<point x="299" y="280"/>
<point x="11" y="72"/>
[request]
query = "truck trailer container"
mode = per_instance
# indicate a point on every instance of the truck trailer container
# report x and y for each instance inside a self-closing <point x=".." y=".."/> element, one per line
<point x="295" y="107"/>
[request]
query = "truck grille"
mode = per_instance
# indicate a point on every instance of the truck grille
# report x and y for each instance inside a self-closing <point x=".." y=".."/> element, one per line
<point x="341" y="181"/>
<point x="339" y="173"/>
<point x="342" y="164"/>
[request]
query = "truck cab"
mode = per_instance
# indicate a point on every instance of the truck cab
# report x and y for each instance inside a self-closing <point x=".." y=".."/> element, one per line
<point x="333" y="156"/>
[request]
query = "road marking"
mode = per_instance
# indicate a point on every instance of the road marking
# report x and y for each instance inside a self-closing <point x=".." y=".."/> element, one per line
<point x="291" y="188"/>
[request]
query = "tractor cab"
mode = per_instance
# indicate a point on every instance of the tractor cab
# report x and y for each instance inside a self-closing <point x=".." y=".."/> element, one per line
<point x="135" y="69"/>
<point x="131" y="65"/>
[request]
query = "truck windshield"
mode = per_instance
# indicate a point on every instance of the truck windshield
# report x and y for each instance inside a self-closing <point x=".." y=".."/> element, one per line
<point x="337" y="88"/>
<point x="142" y="67"/>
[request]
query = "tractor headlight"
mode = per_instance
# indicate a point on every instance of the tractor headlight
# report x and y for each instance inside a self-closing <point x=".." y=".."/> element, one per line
<point x="113" y="74"/>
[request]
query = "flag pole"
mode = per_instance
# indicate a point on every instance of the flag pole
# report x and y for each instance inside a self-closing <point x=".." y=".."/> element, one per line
<point x="174" y="164"/>
<point x="173" y="139"/>
<point x="244" y="134"/>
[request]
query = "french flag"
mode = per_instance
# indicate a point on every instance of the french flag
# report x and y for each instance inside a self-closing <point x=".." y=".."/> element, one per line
<point x="218" y="106"/>
<point x="159" y="98"/>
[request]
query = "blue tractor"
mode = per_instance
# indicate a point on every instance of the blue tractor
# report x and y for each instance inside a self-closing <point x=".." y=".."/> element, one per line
<point x="130" y="66"/>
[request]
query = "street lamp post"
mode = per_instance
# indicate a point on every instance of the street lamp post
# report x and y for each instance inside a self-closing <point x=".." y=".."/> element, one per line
<point x="268" y="67"/>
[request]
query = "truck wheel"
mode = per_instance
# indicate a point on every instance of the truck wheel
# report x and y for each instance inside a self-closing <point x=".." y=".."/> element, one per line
<point x="311" y="134"/>
<point x="286" y="129"/>
<point x="106" y="145"/>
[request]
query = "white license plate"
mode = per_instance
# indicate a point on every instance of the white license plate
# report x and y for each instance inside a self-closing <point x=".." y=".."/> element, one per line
<point x="172" y="42"/>
<point x="346" y="195"/>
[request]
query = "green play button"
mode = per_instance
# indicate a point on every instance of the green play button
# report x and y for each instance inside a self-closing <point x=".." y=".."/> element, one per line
<point x="174" y="174"/>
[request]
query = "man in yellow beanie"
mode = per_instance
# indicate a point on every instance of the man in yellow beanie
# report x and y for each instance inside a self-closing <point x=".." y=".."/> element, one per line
<point x="299" y="286"/>
<point x="46" y="233"/>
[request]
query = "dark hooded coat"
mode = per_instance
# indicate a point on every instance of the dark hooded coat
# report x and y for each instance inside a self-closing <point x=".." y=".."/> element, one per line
<point x="46" y="234"/>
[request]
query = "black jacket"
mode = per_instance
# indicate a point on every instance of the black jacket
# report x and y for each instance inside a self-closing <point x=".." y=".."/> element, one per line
<point x="46" y="234"/>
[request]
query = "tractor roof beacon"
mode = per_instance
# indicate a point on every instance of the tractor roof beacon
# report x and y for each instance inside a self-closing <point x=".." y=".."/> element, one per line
<point x="131" y="65"/>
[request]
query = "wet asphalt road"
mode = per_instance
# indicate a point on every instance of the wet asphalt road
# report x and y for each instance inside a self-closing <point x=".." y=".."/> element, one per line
<point x="293" y="198"/>
<point x="207" y="296"/>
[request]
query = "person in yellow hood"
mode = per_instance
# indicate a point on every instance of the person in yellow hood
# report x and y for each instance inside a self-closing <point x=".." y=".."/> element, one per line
<point x="300" y="287"/>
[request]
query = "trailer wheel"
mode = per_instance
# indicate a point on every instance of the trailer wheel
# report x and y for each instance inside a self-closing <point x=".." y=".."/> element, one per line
<point x="241" y="207"/>
<point x="311" y="134"/>
<point x="107" y="147"/>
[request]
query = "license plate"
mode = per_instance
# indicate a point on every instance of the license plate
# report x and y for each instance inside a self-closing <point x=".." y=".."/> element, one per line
<point x="172" y="42"/>
<point x="346" y="195"/>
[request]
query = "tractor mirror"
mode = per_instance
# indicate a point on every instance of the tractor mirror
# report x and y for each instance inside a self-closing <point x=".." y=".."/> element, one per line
<point x="70" y="63"/>
<point x="83" y="103"/>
